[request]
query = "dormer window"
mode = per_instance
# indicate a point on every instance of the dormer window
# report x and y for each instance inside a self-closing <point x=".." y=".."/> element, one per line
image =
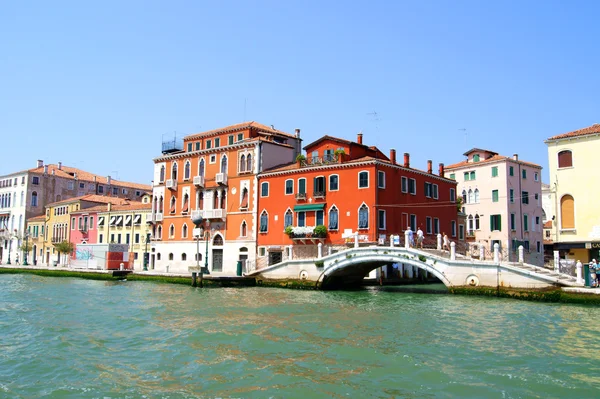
<point x="476" y="158"/>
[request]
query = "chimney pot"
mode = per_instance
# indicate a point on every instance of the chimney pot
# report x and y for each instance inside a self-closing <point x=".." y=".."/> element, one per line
<point x="393" y="156"/>
<point x="441" y="170"/>
<point x="75" y="175"/>
<point x="516" y="157"/>
<point x="359" y="138"/>
<point x="108" y="179"/>
<point x="297" y="132"/>
<point x="429" y="166"/>
<point x="406" y="160"/>
<point x="46" y="169"/>
<point x="59" y="165"/>
<point x="40" y="163"/>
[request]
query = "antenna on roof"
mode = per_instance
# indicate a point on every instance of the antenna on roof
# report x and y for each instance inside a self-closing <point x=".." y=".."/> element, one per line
<point x="116" y="173"/>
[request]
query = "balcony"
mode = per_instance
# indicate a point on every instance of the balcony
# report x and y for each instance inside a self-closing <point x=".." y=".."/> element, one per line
<point x="221" y="178"/>
<point x="319" y="194"/>
<point x="83" y="229"/>
<point x="199" y="181"/>
<point x="319" y="161"/>
<point x="197" y="214"/>
<point x="157" y="217"/>
<point x="215" y="214"/>
<point x="301" y="196"/>
<point x="172" y="184"/>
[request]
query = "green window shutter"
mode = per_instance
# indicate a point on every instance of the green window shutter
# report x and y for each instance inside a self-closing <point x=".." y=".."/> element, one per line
<point x="499" y="222"/>
<point x="302" y="186"/>
<point x="492" y="222"/>
<point x="452" y="176"/>
<point x="495" y="171"/>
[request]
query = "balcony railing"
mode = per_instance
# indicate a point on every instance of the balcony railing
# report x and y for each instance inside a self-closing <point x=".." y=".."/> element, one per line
<point x="221" y="178"/>
<point x="301" y="196"/>
<point x="157" y="217"/>
<point x="215" y="214"/>
<point x="196" y="214"/>
<point x="317" y="161"/>
<point x="319" y="194"/>
<point x="172" y="184"/>
<point x="199" y="181"/>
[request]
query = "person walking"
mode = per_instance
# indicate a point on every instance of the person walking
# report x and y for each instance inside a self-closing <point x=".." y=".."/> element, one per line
<point x="445" y="242"/>
<point x="17" y="259"/>
<point x="411" y="240"/>
<point x="594" y="273"/>
<point x="420" y="238"/>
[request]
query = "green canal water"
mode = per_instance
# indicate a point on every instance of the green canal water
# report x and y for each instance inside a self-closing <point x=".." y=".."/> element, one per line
<point x="70" y="338"/>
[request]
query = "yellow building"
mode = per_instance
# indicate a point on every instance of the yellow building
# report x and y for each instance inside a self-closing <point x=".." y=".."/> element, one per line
<point x="573" y="160"/>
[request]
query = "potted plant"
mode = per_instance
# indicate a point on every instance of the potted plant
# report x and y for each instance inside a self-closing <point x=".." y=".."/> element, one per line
<point x="300" y="158"/>
<point x="320" y="231"/>
<point x="340" y="154"/>
<point x="289" y="231"/>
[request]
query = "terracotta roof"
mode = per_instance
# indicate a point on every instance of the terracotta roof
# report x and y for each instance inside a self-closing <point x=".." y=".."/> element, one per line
<point x="238" y="126"/>
<point x="39" y="218"/>
<point x="472" y="150"/>
<point x="495" y="158"/>
<point x="68" y="172"/>
<point x="594" y="129"/>
<point x="126" y="206"/>
<point x="103" y="199"/>
<point x="548" y="224"/>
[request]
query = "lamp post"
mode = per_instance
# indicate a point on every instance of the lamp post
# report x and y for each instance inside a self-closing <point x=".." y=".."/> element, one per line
<point x="26" y="249"/>
<point x="198" y="222"/>
<point x="9" y="247"/>
<point x="146" y="256"/>
<point x="207" y="232"/>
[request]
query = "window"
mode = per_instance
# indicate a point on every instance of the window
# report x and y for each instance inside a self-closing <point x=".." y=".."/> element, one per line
<point x="567" y="212"/>
<point x="466" y="176"/>
<point x="35" y="180"/>
<point x="452" y="195"/>
<point x="511" y="195"/>
<point x="471" y="198"/>
<point x="435" y="191"/>
<point x="319" y="216"/>
<point x="288" y="218"/>
<point x="319" y="186"/>
<point x="136" y="238"/>
<point x="537" y="223"/>
<point x="264" y="222"/>
<point x="453" y="228"/>
<point x="184" y="231"/>
<point x="230" y="139"/>
<point x="249" y="163"/>
<point x="476" y="158"/>
<point x="184" y="256"/>
<point x="381" y="179"/>
<point x="34" y="199"/>
<point x="477" y="222"/>
<point x="536" y="176"/>
<point x="476" y="194"/>
<point x="101" y="188"/>
<point x="461" y="231"/>
<point x="381" y="219"/>
<point x="333" y="218"/>
<point x="495" y="222"/>
<point x="363" y="179"/>
<point x="494" y="195"/>
<point x="264" y="189"/>
<point x="197" y="146"/>
<point x="334" y="183"/>
<point x="243" y="227"/>
<point x="208" y="144"/>
<point x="453" y="176"/>
<point x="428" y="224"/>
<point x="127" y="236"/>
<point x="81" y="185"/>
<point x="100" y="238"/>
<point x="301" y="219"/>
<point x="240" y="137"/>
<point x="427" y="189"/>
<point x="511" y="171"/>
<point x="513" y="225"/>
<point x="189" y="147"/>
<point x="91" y="222"/>
<point x="115" y="191"/>
<point x="525" y="222"/>
<point x="404" y="184"/>
<point x="243" y="163"/>
<point x="172" y="231"/>
<point x="524" y="174"/>
<point x="363" y="217"/>
<point x="436" y="226"/>
<point x="224" y="164"/>
<point x="494" y="171"/>
<point x="524" y="197"/>
<point x="302" y="186"/>
<point x="565" y="159"/>
<point x="187" y="170"/>
<point x="171" y="256"/>
<point x="289" y="187"/>
<point x="413" y="222"/>
<point x="537" y="198"/>
<point x="73" y="223"/>
<point x="412" y="186"/>
<point x="472" y="175"/>
<point x="212" y="159"/>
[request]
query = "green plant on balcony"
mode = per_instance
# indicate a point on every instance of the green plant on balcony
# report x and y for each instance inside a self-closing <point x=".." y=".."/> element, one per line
<point x="320" y="231"/>
<point x="339" y="151"/>
<point x="300" y="158"/>
<point x="289" y="231"/>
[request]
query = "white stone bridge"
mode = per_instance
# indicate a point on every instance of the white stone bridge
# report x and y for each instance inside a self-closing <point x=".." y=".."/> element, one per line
<point x="350" y="266"/>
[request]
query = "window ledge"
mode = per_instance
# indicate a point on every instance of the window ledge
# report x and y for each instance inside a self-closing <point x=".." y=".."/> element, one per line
<point x="568" y="230"/>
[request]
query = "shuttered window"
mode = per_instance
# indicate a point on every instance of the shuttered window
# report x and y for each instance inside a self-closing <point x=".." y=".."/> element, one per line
<point x="567" y="212"/>
<point x="565" y="159"/>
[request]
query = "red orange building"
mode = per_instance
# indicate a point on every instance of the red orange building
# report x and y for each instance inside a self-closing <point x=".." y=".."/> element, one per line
<point x="348" y="187"/>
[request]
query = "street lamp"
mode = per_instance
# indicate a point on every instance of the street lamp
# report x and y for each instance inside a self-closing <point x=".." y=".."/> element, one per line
<point x="10" y="237"/>
<point x="146" y="255"/>
<point x="26" y="249"/>
<point x="198" y="222"/>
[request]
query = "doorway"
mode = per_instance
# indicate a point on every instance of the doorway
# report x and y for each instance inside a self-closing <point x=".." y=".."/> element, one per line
<point x="275" y="257"/>
<point x="217" y="260"/>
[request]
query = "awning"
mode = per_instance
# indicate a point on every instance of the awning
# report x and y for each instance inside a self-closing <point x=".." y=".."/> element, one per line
<point x="112" y="220"/>
<point x="128" y="220"/>
<point x="309" y="207"/>
<point x="120" y="221"/>
<point x="137" y="219"/>
<point x="101" y="221"/>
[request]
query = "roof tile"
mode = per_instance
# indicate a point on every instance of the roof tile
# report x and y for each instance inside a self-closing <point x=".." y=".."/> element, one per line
<point x="594" y="129"/>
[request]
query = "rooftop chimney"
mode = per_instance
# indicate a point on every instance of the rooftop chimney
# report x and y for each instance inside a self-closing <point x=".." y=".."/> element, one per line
<point x="75" y="175"/>
<point x="359" y="138"/>
<point x="516" y="157"/>
<point x="40" y="163"/>
<point x="406" y="160"/>
<point x="429" y="166"/>
<point x="59" y="165"/>
<point x="297" y="132"/>
<point x="53" y="170"/>
<point x="108" y="206"/>
<point x="94" y="179"/>
<point x="441" y="170"/>
<point x="108" y="179"/>
<point x="45" y="169"/>
<point x="393" y="156"/>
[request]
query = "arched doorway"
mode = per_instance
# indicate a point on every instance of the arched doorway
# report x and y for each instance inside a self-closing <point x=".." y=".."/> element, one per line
<point x="243" y="257"/>
<point x="217" y="253"/>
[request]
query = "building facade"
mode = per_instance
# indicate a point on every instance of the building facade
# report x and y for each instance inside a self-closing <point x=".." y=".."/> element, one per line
<point x="24" y="195"/>
<point x="572" y="158"/>
<point x="343" y="188"/>
<point x="501" y="197"/>
<point x="212" y="176"/>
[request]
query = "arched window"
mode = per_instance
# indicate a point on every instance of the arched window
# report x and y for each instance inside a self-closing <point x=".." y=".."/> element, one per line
<point x="184" y="232"/>
<point x="476" y="196"/>
<point x="249" y="163"/>
<point x="567" y="212"/>
<point x="264" y="222"/>
<point x="363" y="217"/>
<point x="470" y="223"/>
<point x="172" y="231"/>
<point x="186" y="203"/>
<point x="223" y="199"/>
<point x="23" y="197"/>
<point x="171" y="256"/>
<point x="243" y="229"/>
<point x="243" y="163"/>
<point x="187" y="170"/>
<point x="172" y="207"/>
<point x="333" y="218"/>
<point x="158" y="256"/>
<point x="200" y="200"/>
<point x="565" y="159"/>
<point x="288" y="218"/>
<point x="159" y="232"/>
<point x="224" y="164"/>
<point x="198" y="257"/>
<point x="471" y="199"/>
<point x="216" y="199"/>
<point x="161" y="204"/>
<point x="476" y="222"/>
<point x="156" y="210"/>
<point x="174" y="171"/>
<point x="218" y="240"/>
<point x="464" y="197"/>
<point x="244" y="201"/>
<point x="183" y="256"/>
<point x="201" y="167"/>
<point x="162" y="174"/>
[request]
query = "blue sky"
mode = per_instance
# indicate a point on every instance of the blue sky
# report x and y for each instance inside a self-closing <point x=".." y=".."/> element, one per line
<point x="97" y="85"/>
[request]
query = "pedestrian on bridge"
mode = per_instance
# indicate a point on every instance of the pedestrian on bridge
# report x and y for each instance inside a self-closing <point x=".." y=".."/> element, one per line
<point x="445" y="244"/>
<point x="594" y="267"/>
<point x="411" y="240"/>
<point x="420" y="238"/>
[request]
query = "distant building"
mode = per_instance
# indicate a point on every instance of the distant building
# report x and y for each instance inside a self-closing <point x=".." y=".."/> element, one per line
<point x="502" y="201"/>
<point x="24" y="195"/>
<point x="341" y="188"/>
<point x="573" y="159"/>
